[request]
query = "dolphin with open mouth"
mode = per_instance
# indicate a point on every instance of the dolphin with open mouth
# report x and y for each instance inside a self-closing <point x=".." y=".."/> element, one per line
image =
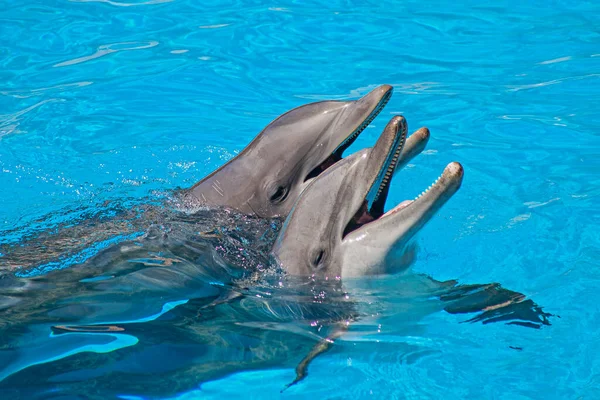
<point x="338" y="227"/>
<point x="267" y="177"/>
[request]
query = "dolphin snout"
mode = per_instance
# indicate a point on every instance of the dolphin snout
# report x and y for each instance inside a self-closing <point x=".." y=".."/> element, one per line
<point x="455" y="172"/>
<point x="375" y="96"/>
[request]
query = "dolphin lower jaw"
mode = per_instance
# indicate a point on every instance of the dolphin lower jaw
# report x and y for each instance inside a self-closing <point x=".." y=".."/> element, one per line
<point x="366" y="249"/>
<point x="436" y="194"/>
<point x="399" y="224"/>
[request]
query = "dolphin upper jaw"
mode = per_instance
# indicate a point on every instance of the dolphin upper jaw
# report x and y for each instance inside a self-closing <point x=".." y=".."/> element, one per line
<point x="360" y="113"/>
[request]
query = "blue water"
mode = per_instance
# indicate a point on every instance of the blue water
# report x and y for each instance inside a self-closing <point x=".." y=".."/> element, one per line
<point x="108" y="101"/>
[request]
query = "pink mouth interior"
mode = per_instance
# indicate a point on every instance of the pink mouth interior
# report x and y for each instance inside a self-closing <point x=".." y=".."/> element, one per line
<point x="332" y="159"/>
<point x="363" y="216"/>
<point x="399" y="207"/>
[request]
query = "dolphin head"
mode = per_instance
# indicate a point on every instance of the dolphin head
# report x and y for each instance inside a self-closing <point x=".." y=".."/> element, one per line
<point x="338" y="227"/>
<point x="267" y="177"/>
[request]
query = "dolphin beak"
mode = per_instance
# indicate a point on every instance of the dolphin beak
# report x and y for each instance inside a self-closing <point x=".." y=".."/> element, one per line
<point x="414" y="145"/>
<point x="385" y="155"/>
<point x="375" y="96"/>
<point x="360" y="113"/>
<point x="430" y="200"/>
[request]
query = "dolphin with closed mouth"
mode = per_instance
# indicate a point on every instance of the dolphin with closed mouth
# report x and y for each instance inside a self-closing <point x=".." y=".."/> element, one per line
<point x="267" y="177"/>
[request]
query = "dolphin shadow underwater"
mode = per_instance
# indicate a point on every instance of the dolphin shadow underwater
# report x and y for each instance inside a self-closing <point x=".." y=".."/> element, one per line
<point x="186" y="303"/>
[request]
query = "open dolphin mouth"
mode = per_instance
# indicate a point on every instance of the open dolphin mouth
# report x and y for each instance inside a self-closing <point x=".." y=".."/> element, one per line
<point x="443" y="187"/>
<point x="373" y="205"/>
<point x="337" y="154"/>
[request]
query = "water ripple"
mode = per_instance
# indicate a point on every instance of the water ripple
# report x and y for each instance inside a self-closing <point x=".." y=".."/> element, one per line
<point x="109" y="49"/>
<point x="25" y="93"/>
<point x="556" y="60"/>
<point x="217" y="26"/>
<point x="122" y="4"/>
<point x="552" y="82"/>
<point x="9" y="123"/>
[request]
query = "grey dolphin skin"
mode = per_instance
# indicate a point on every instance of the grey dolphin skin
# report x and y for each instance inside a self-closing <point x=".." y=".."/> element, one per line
<point x="267" y="177"/>
<point x="338" y="227"/>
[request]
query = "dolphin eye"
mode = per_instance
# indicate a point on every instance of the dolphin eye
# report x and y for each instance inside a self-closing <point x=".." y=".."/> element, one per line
<point x="318" y="258"/>
<point x="280" y="194"/>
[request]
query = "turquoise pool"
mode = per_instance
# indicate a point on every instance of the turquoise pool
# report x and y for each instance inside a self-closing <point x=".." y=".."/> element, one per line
<point x="106" y="104"/>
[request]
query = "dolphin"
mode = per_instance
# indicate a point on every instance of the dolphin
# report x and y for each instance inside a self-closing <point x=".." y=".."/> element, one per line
<point x="266" y="178"/>
<point x="202" y="323"/>
<point x="161" y="267"/>
<point x="338" y="227"/>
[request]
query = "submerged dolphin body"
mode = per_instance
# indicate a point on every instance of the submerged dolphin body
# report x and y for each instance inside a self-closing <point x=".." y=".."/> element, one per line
<point x="167" y="307"/>
<point x="160" y="310"/>
<point x="270" y="173"/>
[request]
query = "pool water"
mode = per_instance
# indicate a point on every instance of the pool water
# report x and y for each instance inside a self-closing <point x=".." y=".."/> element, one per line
<point x="114" y="102"/>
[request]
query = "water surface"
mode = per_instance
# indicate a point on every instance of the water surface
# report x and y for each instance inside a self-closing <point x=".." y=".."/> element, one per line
<point x="106" y="104"/>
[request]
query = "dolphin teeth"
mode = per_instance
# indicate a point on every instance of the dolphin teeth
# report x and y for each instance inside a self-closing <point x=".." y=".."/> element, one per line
<point x="366" y="123"/>
<point x="429" y="188"/>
